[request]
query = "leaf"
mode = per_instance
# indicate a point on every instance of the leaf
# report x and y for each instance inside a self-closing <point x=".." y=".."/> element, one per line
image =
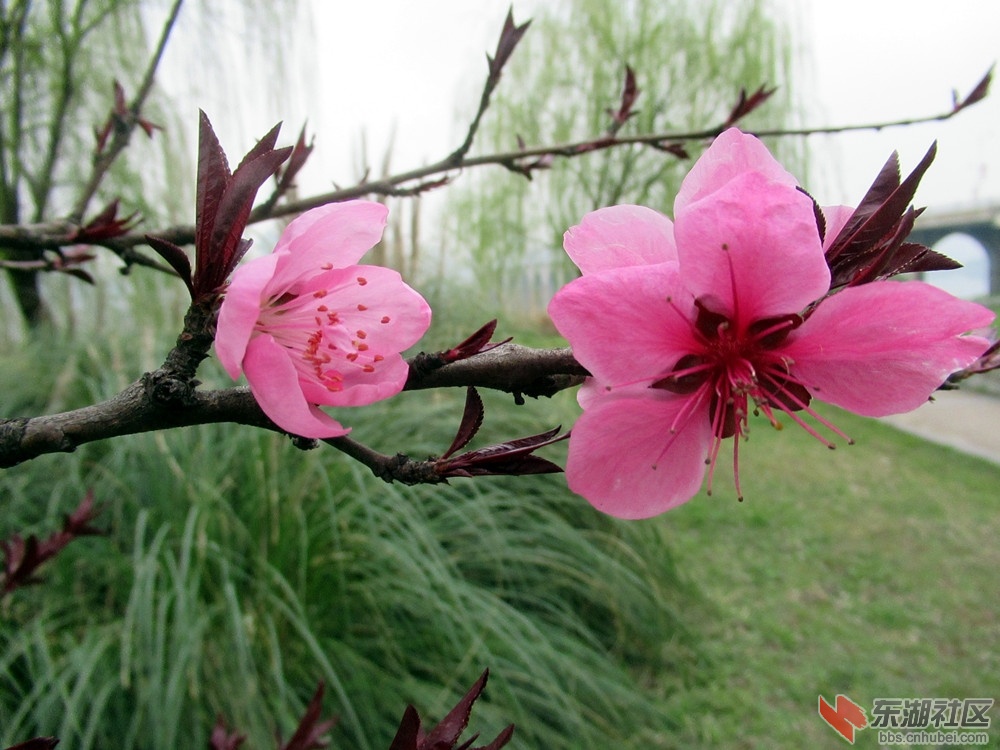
<point x="472" y="420"/>
<point x="871" y="244"/>
<point x="510" y="35"/>
<point x="37" y="743"/>
<point x="213" y="176"/>
<point x="746" y="104"/>
<point x="175" y="256"/>
<point x="509" y="458"/>
<point x="978" y="93"/>
<point x="308" y="735"/>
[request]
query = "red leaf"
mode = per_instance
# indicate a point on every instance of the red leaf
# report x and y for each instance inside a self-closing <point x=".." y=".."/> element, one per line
<point x="213" y="176"/>
<point x="175" y="256"/>
<point x="978" y="93"/>
<point x="38" y="743"/>
<point x="472" y="420"/>
<point x="309" y="734"/>
<point x="510" y="35"/>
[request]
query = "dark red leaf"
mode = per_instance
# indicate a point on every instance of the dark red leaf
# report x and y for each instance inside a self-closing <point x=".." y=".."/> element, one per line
<point x="221" y="738"/>
<point x="175" y="256"/>
<point x="477" y="343"/>
<point x="236" y="203"/>
<point x="510" y="35"/>
<point x="213" y="176"/>
<point x="508" y="458"/>
<point x="630" y="92"/>
<point x="746" y="104"/>
<point x="408" y="734"/>
<point x="978" y="93"/>
<point x="451" y="726"/>
<point x="871" y="244"/>
<point x="472" y="420"/>
<point x="38" y="743"/>
<point x="309" y="734"/>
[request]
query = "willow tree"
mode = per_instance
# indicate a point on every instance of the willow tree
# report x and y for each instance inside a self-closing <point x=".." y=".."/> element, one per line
<point x="77" y="83"/>
<point x="690" y="61"/>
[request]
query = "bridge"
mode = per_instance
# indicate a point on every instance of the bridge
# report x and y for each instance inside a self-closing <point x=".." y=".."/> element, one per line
<point x="981" y="223"/>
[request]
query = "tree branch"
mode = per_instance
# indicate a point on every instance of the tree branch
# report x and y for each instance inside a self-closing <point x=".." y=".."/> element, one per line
<point x="166" y="399"/>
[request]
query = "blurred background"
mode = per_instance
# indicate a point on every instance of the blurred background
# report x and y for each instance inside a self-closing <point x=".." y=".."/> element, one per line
<point x="239" y="572"/>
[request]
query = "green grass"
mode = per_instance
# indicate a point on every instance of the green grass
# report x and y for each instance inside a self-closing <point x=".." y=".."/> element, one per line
<point x="868" y="571"/>
<point x="240" y="571"/>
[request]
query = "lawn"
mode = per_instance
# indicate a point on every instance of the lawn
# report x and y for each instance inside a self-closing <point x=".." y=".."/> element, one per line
<point x="240" y="571"/>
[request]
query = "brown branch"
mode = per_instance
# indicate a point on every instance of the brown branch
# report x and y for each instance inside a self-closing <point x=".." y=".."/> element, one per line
<point x="166" y="399"/>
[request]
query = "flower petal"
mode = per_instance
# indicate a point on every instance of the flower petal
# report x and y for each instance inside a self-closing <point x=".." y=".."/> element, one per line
<point x="335" y="235"/>
<point x="884" y="347"/>
<point x="621" y="325"/>
<point x="620" y="236"/>
<point x="751" y="250"/>
<point x="626" y="463"/>
<point x="240" y="310"/>
<point x="275" y="385"/>
<point x="731" y="154"/>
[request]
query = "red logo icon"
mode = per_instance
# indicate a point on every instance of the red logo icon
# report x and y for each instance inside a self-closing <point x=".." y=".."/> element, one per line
<point x="845" y="716"/>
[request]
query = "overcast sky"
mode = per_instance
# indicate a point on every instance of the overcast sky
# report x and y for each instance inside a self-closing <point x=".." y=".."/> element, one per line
<point x="397" y="68"/>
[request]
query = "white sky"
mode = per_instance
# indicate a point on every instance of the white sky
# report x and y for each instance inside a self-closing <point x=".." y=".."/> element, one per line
<point x="399" y="68"/>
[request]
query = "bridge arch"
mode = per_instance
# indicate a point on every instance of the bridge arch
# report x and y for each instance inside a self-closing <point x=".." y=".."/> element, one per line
<point x="981" y="224"/>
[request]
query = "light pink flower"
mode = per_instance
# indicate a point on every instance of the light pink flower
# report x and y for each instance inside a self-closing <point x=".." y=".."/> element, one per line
<point x="689" y="326"/>
<point x="311" y="328"/>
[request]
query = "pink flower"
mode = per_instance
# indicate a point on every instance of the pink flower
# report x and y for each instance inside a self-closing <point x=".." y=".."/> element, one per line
<point x="689" y="326"/>
<point x="311" y="328"/>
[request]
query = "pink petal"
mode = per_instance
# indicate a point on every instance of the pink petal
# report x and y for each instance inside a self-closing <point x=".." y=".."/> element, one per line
<point x="335" y="235"/>
<point x="884" y="347"/>
<point x="751" y="249"/>
<point x="620" y="236"/>
<point x="274" y="383"/>
<point x="626" y="463"/>
<point x="620" y="324"/>
<point x="240" y="311"/>
<point x="731" y="154"/>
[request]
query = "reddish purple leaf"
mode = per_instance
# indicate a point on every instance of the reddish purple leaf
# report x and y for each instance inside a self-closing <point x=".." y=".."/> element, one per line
<point x="871" y="245"/>
<point x="309" y="734"/>
<point x="22" y="557"/>
<point x="472" y="420"/>
<point x="746" y="104"/>
<point x="978" y="93"/>
<point x="477" y="343"/>
<point x="175" y="256"/>
<point x="510" y="458"/>
<point x="630" y="92"/>
<point x="224" y="202"/>
<point x="510" y="35"/>
<point x="104" y="226"/>
<point x="445" y="735"/>
<point x="222" y="739"/>
<point x="38" y="743"/>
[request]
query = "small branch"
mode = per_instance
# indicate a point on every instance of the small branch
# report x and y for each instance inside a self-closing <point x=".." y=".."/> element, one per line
<point x="166" y="399"/>
<point x="124" y="129"/>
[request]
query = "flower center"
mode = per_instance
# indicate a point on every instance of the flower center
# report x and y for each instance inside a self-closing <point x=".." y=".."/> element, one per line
<point x="318" y="337"/>
<point x="734" y="365"/>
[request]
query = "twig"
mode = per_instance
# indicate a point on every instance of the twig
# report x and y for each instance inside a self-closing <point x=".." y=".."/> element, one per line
<point x="166" y="399"/>
<point x="123" y="132"/>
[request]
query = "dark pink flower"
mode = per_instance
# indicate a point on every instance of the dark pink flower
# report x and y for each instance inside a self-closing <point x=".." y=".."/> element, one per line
<point x="690" y="326"/>
<point x="310" y="328"/>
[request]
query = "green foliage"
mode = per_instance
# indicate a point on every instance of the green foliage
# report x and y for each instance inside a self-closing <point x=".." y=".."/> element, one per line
<point x="691" y="60"/>
<point x="239" y="572"/>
